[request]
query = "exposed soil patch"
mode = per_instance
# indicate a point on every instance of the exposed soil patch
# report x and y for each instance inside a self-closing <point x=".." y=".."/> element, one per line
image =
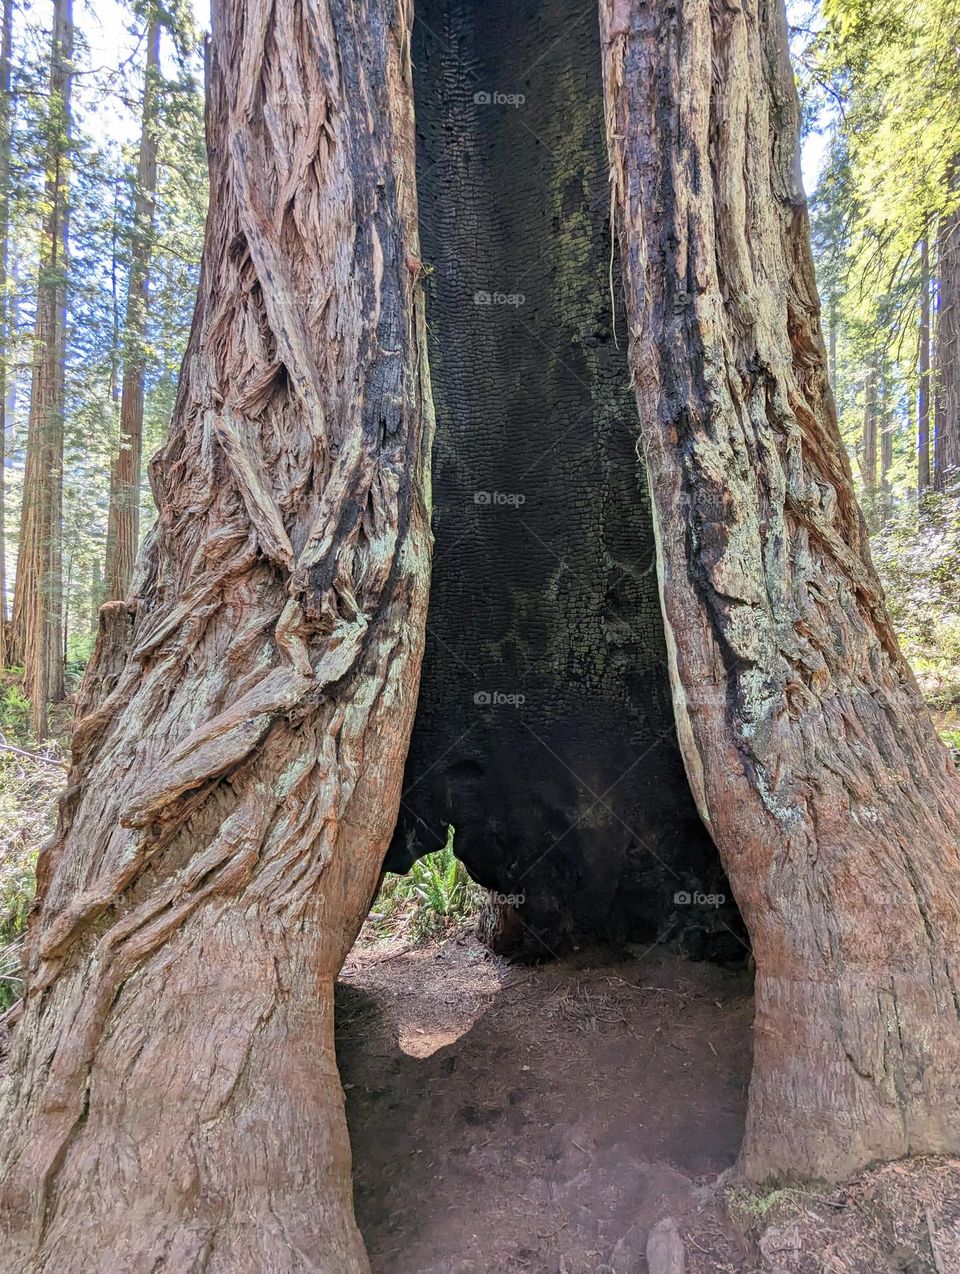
<point x="507" y="1118"/>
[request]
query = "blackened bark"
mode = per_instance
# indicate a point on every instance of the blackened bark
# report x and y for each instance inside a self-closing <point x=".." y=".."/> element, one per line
<point x="173" y="1096"/>
<point x="544" y="732"/>
<point x="814" y="762"/>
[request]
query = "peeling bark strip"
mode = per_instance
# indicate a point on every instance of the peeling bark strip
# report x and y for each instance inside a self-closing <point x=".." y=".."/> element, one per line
<point x="807" y="744"/>
<point x="173" y="1097"/>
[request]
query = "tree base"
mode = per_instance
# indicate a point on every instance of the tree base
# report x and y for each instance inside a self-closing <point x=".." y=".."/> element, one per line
<point x="851" y="1071"/>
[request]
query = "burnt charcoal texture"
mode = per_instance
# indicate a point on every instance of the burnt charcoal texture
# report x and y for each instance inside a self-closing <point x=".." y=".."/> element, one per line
<point x="545" y="731"/>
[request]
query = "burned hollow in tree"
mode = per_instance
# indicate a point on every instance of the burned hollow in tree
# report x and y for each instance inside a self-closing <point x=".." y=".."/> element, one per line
<point x="545" y="731"/>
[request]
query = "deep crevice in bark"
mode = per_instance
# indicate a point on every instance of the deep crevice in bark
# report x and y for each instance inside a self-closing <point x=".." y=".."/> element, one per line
<point x="545" y="731"/>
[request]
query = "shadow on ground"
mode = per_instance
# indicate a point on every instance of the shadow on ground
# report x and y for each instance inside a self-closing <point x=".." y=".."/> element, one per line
<point x="507" y="1118"/>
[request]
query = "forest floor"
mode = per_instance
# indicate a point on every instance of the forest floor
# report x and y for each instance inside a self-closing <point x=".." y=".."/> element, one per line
<point x="542" y="1119"/>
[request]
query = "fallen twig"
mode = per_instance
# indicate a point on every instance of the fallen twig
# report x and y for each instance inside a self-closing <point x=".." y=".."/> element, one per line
<point x="31" y="756"/>
<point x="937" y="1263"/>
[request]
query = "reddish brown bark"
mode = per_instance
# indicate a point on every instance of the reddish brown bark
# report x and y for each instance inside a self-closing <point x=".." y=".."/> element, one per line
<point x="173" y="1097"/>
<point x="123" y="522"/>
<point x="37" y="627"/>
<point x="807" y="745"/>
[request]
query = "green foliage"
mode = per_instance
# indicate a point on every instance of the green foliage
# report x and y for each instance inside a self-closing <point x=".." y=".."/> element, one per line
<point x="14" y="706"/>
<point x="918" y="557"/>
<point x="881" y="83"/>
<point x="434" y="896"/>
<point x="899" y="65"/>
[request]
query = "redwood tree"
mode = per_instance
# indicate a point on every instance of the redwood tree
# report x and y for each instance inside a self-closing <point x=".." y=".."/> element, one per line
<point x="243" y="723"/>
<point x="833" y="803"/>
<point x="173" y="1096"/>
<point x="123" y="523"/>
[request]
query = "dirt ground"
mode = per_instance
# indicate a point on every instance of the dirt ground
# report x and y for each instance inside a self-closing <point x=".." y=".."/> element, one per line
<point x="533" y="1119"/>
<point x="508" y="1118"/>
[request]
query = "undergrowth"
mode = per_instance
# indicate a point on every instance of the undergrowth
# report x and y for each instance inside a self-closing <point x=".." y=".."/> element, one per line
<point x="31" y="779"/>
<point x="435" y="896"/>
<point x="917" y="555"/>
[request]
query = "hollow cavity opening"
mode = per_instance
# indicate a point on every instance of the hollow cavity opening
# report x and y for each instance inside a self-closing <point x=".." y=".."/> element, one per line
<point x="545" y="729"/>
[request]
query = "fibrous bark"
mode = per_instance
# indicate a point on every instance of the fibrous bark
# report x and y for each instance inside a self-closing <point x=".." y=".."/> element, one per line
<point x="37" y="627"/>
<point x="807" y="745"/>
<point x="123" y="522"/>
<point x="544" y="732"/>
<point x="173" y="1097"/>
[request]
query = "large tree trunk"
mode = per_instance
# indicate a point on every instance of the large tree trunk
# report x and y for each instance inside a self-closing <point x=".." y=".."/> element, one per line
<point x="123" y="519"/>
<point x="37" y="629"/>
<point x="173" y="1097"/>
<point x="807" y="745"/>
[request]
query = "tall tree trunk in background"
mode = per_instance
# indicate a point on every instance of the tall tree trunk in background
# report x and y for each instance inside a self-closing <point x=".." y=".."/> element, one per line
<point x="6" y="49"/>
<point x="947" y="445"/>
<point x="37" y="622"/>
<point x="808" y="747"/>
<point x="868" y="440"/>
<point x="832" y="362"/>
<point x="923" y="374"/>
<point x="886" y="426"/>
<point x="123" y="523"/>
<point x="173" y="1097"/>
